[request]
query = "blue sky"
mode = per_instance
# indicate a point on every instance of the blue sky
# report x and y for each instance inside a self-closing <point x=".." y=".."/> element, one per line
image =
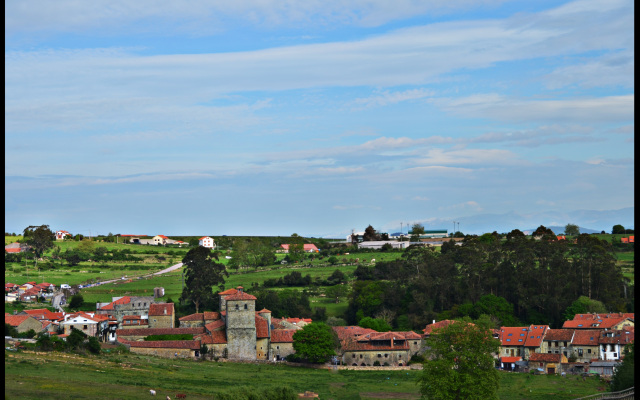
<point x="261" y="117"/>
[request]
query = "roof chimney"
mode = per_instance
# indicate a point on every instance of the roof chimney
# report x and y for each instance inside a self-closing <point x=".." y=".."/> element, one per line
<point x="239" y="288"/>
<point x="165" y="310"/>
<point x="434" y="321"/>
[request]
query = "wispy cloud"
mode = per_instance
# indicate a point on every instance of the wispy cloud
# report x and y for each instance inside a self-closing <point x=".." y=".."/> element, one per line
<point x="387" y="98"/>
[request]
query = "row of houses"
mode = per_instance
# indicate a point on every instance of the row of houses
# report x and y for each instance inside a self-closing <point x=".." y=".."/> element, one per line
<point x="28" y="292"/>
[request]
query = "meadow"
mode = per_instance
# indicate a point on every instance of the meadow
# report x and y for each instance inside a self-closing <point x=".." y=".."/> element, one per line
<point x="37" y="375"/>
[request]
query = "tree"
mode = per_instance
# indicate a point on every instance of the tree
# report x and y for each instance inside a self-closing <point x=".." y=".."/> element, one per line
<point x="416" y="231"/>
<point x="76" y="301"/>
<point x="544" y="233"/>
<point x="618" y="230"/>
<point x="459" y="364"/>
<point x="202" y="273"/>
<point x="316" y="342"/>
<point x="572" y="230"/>
<point x="76" y="338"/>
<point x="40" y="238"/>
<point x="93" y="345"/>
<point x="10" y="330"/>
<point x="370" y="234"/>
<point x="377" y="324"/>
<point x="584" y="305"/>
<point x="623" y="376"/>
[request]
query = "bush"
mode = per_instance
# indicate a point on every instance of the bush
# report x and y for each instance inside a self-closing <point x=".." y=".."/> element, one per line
<point x="376" y="363"/>
<point x="93" y="345"/>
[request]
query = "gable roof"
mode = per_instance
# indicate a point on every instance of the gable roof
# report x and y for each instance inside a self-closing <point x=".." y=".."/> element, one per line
<point x="215" y="325"/>
<point x="305" y="247"/>
<point x="513" y="335"/>
<point x="160" y="309"/>
<point x="192" y="317"/>
<point x="599" y="321"/>
<point x="585" y="337"/>
<point x="545" y="357"/>
<point x="240" y="296"/>
<point x="204" y="237"/>
<point x="510" y="359"/>
<point x="122" y="300"/>
<point x="428" y="330"/>
<point x="563" y="335"/>
<point x="535" y="335"/>
<point x="16" y="320"/>
<point x="345" y="332"/>
<point x="211" y="315"/>
<point x="228" y="291"/>
<point x="282" y="335"/>
<point x="43" y="313"/>
<point x="216" y="337"/>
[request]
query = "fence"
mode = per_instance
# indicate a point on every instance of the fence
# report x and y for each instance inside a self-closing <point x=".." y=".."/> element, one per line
<point x="626" y="394"/>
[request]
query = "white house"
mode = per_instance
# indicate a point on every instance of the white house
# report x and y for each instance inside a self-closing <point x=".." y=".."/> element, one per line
<point x="60" y="235"/>
<point x="207" y="242"/>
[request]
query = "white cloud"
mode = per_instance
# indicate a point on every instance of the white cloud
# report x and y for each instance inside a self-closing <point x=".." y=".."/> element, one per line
<point x="386" y="98"/>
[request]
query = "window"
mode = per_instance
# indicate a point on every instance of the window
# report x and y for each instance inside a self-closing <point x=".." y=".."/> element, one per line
<point x="615" y="355"/>
<point x="379" y="355"/>
<point x="399" y="355"/>
<point x="246" y="307"/>
<point x="237" y="307"/>
<point x="354" y="356"/>
<point x="386" y="356"/>
<point x="589" y="351"/>
<point x="511" y="334"/>
<point x="278" y="348"/>
<point x="360" y="355"/>
<point x="84" y="326"/>
<point x="519" y="340"/>
<point x="580" y="352"/>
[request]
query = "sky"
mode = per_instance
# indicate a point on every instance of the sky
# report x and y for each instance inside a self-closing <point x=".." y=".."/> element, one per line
<point x="262" y="117"/>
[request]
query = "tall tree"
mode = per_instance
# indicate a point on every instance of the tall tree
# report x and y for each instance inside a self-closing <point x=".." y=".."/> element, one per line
<point x="316" y="342"/>
<point x="370" y="234"/>
<point x="624" y="377"/>
<point x="202" y="273"/>
<point x="460" y="364"/>
<point x="572" y="230"/>
<point x="40" y="238"/>
<point x="618" y="230"/>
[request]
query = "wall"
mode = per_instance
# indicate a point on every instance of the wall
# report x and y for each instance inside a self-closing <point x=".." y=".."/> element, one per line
<point x="241" y="329"/>
<point x="368" y="358"/>
<point x="161" y="321"/>
<point x="30" y="323"/>
<point x="281" y="349"/>
<point x="166" y="353"/>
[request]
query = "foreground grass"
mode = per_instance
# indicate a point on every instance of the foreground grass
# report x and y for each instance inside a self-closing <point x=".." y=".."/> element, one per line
<point x="33" y="375"/>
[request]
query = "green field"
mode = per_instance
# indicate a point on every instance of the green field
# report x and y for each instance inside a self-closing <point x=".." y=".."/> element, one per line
<point x="30" y="375"/>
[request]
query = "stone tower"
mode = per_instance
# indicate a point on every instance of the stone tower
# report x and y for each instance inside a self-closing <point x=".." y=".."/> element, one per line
<point x="241" y="325"/>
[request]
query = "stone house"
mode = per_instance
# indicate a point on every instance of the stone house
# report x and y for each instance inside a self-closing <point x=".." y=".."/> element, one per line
<point x="198" y="319"/>
<point x="282" y="343"/>
<point x="512" y="340"/>
<point x="612" y="343"/>
<point x="558" y="341"/>
<point x="549" y="363"/>
<point x="534" y="339"/>
<point x="366" y="347"/>
<point x="127" y="305"/>
<point x="88" y="323"/>
<point x="585" y="345"/>
<point x="166" y="348"/>
<point x="161" y="315"/>
<point x="134" y="322"/>
<point x="23" y="323"/>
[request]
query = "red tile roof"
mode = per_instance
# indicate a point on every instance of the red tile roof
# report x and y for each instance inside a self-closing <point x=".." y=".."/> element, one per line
<point x="510" y="359"/>
<point x="215" y="325"/>
<point x="211" y="315"/>
<point x="305" y="247"/>
<point x="43" y="313"/>
<point x="163" y="236"/>
<point x="122" y="300"/>
<point x="298" y="320"/>
<point x="10" y="285"/>
<point x="585" y="337"/>
<point x="535" y="335"/>
<point x="160" y="331"/>
<point x="438" y="325"/>
<point x="264" y="310"/>
<point x="282" y="335"/>
<point x="545" y="357"/>
<point x="192" y="317"/>
<point x="562" y="335"/>
<point x="513" y="336"/>
<point x="262" y="327"/>
<point x="619" y="337"/>
<point x="228" y="291"/>
<point x="160" y="309"/>
<point x="15" y="320"/>
<point x="165" y="344"/>
<point x="217" y="337"/>
<point x="240" y="296"/>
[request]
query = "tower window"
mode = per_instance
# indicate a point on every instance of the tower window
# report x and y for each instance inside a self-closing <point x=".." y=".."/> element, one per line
<point x="246" y="307"/>
<point x="237" y="306"/>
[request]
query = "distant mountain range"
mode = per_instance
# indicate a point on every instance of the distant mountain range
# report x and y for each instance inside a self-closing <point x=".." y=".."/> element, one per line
<point x="589" y="221"/>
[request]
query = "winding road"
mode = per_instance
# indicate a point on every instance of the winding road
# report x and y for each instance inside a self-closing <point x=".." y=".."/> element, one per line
<point x="164" y="271"/>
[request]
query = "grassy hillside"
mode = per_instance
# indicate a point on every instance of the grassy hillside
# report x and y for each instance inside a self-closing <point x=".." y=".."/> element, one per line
<point x="30" y="375"/>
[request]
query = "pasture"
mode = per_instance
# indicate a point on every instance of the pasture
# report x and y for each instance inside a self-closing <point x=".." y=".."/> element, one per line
<point x="36" y="375"/>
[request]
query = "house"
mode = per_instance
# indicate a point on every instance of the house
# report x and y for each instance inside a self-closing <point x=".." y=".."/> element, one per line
<point x="377" y="244"/>
<point x="509" y="363"/>
<point x="198" y="319"/>
<point x="306" y="247"/>
<point x="207" y="242"/>
<point x="126" y="305"/>
<point x="612" y="343"/>
<point x="10" y="287"/>
<point x="534" y="339"/>
<point x="23" y="323"/>
<point x="428" y="330"/>
<point x="366" y="347"/>
<point x="548" y="363"/>
<point x="161" y="315"/>
<point x="282" y="343"/>
<point x="61" y="235"/>
<point x="600" y="321"/>
<point x="90" y="324"/>
<point x="558" y="341"/>
<point x="585" y="345"/>
<point x="134" y="322"/>
<point x="512" y="340"/>
<point x="16" y="248"/>
<point x="165" y="348"/>
<point x="159" y="240"/>
<point x="140" y="334"/>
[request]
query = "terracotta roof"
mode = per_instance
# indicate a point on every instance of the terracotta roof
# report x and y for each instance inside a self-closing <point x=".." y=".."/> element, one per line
<point x="240" y="296"/>
<point x="411" y="335"/>
<point x="217" y="337"/>
<point x="563" y="335"/>
<point x="132" y="317"/>
<point x="10" y="285"/>
<point x="15" y="320"/>
<point x="298" y="320"/>
<point x="122" y="300"/>
<point x="513" y="335"/>
<point x="192" y="317"/>
<point x="545" y="357"/>
<point x="160" y="331"/>
<point x="438" y="325"/>
<point x="599" y="321"/>
<point x="510" y="359"/>
<point x="345" y="332"/>
<point x="204" y="237"/>
<point x="160" y="309"/>
<point x="262" y="327"/>
<point x="264" y="310"/>
<point x="305" y="247"/>
<point x="211" y="315"/>
<point x="163" y="236"/>
<point x="619" y="337"/>
<point x="228" y="291"/>
<point x="166" y="344"/>
<point x="282" y="335"/>
<point x="535" y="335"/>
<point x="43" y="313"/>
<point x="215" y="325"/>
<point x="585" y="337"/>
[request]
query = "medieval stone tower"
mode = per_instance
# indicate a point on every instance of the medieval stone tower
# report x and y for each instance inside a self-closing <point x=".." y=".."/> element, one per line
<point x="241" y="325"/>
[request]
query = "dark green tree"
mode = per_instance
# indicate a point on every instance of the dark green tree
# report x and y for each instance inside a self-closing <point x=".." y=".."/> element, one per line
<point x="202" y="273"/>
<point x="316" y="342"/>
<point x="572" y="230"/>
<point x="584" y="305"/>
<point x="76" y="338"/>
<point x="40" y="238"/>
<point x="370" y="234"/>
<point x="93" y="345"/>
<point x="624" y="377"/>
<point x="10" y="330"/>
<point x="76" y="301"/>
<point x="377" y="324"/>
<point x="618" y="230"/>
<point x="460" y="364"/>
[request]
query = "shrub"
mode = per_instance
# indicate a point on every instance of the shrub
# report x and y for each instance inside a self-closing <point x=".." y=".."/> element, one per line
<point x="376" y="363"/>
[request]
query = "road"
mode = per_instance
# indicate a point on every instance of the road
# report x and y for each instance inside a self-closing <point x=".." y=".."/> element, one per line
<point x="164" y="271"/>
